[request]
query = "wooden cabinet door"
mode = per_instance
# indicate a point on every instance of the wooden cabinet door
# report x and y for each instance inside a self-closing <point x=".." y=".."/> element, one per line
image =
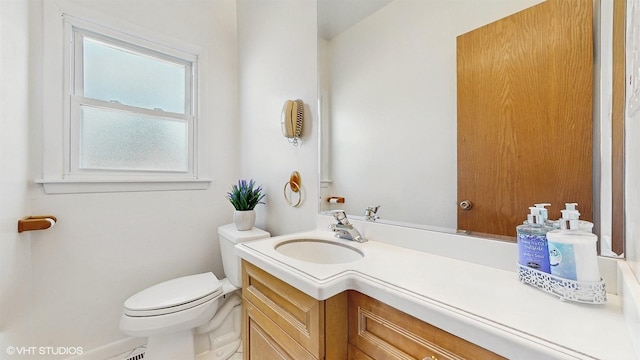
<point x="298" y="315"/>
<point x="378" y="331"/>
<point x="262" y="346"/>
<point x="264" y="340"/>
<point x="525" y="114"/>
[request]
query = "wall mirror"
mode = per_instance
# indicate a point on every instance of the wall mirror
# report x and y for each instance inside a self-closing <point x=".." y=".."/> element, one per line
<point x="387" y="105"/>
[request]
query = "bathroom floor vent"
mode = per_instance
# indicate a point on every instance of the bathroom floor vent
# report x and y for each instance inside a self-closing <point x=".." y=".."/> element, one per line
<point x="135" y="357"/>
<point x="136" y="354"/>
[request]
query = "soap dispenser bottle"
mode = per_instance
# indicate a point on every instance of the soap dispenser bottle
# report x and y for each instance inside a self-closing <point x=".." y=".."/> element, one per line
<point x="533" y="251"/>
<point x="572" y="251"/>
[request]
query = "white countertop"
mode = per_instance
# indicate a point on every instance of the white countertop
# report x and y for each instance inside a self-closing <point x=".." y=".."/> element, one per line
<point x="482" y="304"/>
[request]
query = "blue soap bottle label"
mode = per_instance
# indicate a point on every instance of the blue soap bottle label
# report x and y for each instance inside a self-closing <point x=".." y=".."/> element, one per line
<point x="533" y="251"/>
<point x="562" y="260"/>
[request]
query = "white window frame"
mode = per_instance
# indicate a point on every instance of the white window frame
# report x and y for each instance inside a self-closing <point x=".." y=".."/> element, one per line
<point x="71" y="178"/>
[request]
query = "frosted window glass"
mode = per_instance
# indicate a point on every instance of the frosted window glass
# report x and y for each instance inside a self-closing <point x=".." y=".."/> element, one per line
<point x="112" y="73"/>
<point x="117" y="140"/>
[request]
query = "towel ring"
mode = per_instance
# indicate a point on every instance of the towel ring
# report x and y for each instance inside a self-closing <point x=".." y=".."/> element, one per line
<point x="294" y="187"/>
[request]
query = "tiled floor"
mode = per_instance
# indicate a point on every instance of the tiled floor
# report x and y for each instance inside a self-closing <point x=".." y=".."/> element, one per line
<point x="236" y="356"/>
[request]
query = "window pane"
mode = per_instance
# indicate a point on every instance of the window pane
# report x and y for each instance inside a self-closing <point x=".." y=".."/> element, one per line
<point x="113" y="73"/>
<point x="116" y="140"/>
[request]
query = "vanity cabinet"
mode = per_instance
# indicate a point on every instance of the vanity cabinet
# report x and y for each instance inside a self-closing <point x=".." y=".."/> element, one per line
<point x="379" y="331"/>
<point x="281" y="322"/>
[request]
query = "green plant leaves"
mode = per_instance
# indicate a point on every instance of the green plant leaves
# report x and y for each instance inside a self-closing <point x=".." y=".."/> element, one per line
<point x="244" y="197"/>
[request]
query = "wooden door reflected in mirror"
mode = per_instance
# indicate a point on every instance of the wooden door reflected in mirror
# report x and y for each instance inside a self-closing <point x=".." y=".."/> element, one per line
<point x="525" y="111"/>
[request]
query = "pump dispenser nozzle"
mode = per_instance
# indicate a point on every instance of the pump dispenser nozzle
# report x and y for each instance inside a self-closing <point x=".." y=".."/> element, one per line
<point x="570" y="206"/>
<point x="534" y="217"/>
<point x="544" y="213"/>
<point x="570" y="220"/>
<point x="570" y="217"/>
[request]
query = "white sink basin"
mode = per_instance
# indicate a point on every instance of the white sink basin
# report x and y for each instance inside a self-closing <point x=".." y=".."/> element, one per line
<point x="319" y="251"/>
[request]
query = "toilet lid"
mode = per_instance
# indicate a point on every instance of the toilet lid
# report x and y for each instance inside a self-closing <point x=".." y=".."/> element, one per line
<point x="174" y="293"/>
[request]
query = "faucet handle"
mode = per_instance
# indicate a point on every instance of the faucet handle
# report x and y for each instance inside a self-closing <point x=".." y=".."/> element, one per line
<point x="341" y="217"/>
<point x="370" y="213"/>
<point x="373" y="209"/>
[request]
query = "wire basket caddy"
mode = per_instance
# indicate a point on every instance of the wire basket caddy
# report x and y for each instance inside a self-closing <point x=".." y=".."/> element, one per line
<point x="588" y="292"/>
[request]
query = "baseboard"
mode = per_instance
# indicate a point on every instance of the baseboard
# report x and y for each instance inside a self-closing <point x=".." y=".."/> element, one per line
<point x="112" y="350"/>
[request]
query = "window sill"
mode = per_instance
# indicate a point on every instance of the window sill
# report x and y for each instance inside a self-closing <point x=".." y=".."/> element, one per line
<point x="75" y="186"/>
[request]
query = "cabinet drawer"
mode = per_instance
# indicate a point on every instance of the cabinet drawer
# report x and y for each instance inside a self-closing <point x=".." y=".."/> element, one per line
<point x="383" y="332"/>
<point x="264" y="340"/>
<point x="300" y="316"/>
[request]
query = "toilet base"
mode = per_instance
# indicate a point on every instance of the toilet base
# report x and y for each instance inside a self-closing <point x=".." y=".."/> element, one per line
<point x="177" y="345"/>
<point x="220" y="338"/>
<point x="221" y="353"/>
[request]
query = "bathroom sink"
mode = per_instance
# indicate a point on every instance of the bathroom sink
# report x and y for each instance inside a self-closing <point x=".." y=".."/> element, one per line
<point x="319" y="251"/>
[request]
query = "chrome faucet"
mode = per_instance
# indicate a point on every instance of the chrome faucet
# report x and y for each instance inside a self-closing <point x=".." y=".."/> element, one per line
<point x="344" y="229"/>
<point x="370" y="213"/>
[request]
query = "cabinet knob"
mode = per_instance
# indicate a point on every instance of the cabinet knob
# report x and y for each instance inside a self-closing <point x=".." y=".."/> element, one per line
<point x="433" y="357"/>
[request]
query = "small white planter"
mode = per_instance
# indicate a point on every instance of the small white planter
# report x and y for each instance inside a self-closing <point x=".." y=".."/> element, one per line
<point x="244" y="220"/>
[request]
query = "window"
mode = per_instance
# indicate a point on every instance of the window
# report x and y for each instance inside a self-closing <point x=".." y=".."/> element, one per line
<point x="129" y="107"/>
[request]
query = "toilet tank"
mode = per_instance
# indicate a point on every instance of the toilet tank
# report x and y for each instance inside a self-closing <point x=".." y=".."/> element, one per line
<point x="229" y="236"/>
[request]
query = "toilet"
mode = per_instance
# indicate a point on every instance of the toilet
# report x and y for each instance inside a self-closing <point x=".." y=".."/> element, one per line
<point x="196" y="315"/>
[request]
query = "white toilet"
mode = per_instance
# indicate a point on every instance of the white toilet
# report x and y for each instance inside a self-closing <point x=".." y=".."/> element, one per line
<point x="196" y="315"/>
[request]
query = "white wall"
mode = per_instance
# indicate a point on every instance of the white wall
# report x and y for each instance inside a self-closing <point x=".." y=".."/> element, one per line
<point x="15" y="249"/>
<point x="631" y="279"/>
<point x="108" y="246"/>
<point x="632" y="141"/>
<point x="277" y="61"/>
<point x="393" y="108"/>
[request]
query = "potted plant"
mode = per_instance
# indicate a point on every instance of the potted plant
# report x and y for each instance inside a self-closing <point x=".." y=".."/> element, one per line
<point x="244" y="197"/>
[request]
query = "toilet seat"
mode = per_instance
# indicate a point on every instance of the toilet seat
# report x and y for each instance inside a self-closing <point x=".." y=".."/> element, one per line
<point x="174" y="296"/>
